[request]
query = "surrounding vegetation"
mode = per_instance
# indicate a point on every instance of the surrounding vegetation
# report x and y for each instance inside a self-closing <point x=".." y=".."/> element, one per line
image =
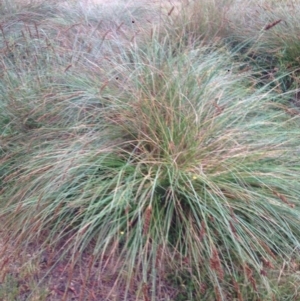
<point x="150" y="151"/>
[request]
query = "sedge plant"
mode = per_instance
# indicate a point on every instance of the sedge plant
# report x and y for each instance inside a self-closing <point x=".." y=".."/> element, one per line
<point x="171" y="166"/>
<point x="187" y="168"/>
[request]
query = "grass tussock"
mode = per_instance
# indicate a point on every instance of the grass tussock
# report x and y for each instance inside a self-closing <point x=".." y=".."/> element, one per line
<point x="157" y="149"/>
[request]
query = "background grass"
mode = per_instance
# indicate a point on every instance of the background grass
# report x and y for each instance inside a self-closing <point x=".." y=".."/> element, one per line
<point x="160" y="141"/>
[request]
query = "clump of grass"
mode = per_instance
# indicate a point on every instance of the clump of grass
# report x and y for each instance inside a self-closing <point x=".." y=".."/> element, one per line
<point x="159" y="159"/>
<point x="195" y="170"/>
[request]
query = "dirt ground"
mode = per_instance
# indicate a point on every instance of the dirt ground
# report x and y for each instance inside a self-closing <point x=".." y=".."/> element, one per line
<point x="47" y="277"/>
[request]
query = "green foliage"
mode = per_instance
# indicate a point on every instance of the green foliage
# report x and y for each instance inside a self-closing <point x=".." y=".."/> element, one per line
<point x="161" y="152"/>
